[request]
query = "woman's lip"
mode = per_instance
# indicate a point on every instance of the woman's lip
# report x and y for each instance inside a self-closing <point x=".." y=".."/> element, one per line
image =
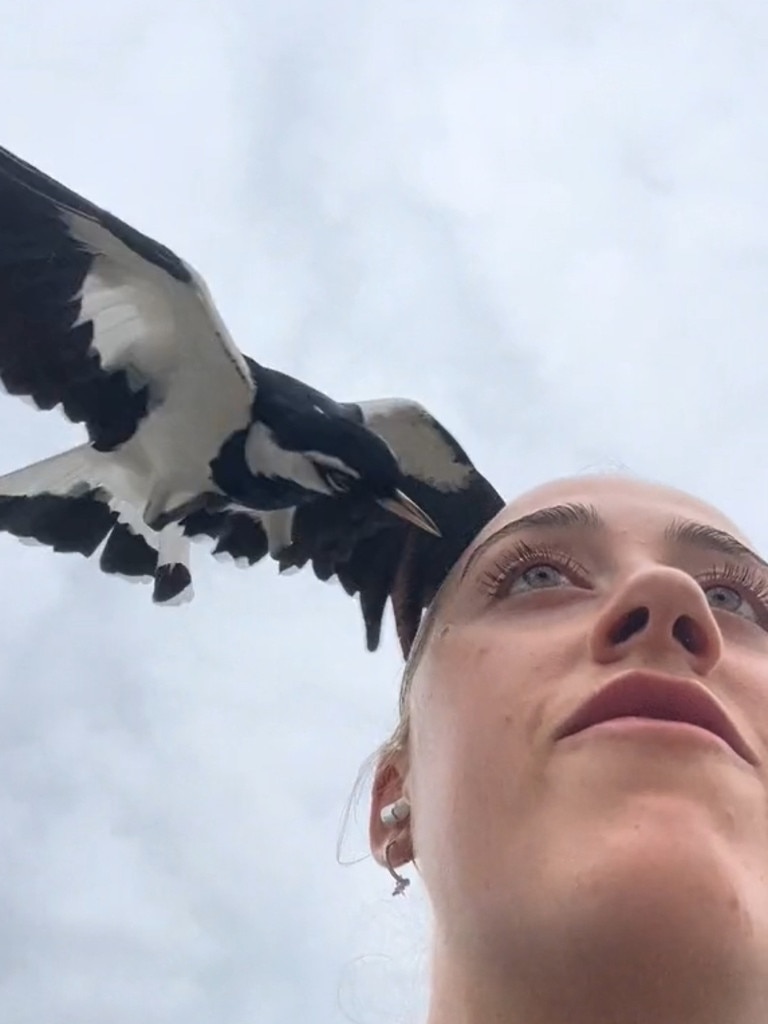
<point x="653" y="696"/>
<point x="656" y="729"/>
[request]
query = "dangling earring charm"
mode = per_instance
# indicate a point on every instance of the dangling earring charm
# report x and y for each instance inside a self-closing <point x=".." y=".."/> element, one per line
<point x="401" y="883"/>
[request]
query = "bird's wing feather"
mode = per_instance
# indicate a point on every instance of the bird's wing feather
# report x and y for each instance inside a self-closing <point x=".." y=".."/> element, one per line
<point x="375" y="554"/>
<point x="238" y="533"/>
<point x="103" y="321"/>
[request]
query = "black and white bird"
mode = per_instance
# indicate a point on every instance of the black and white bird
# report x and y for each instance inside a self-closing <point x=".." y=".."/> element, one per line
<point x="188" y="436"/>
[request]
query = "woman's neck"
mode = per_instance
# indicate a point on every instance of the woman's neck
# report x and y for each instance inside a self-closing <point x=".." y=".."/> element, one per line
<point x="572" y="989"/>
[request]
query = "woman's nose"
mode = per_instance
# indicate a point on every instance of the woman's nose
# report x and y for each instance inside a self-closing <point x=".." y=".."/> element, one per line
<point x="660" y="614"/>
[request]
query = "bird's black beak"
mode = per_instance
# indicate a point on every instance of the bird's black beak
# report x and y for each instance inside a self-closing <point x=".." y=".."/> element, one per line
<point x="402" y="506"/>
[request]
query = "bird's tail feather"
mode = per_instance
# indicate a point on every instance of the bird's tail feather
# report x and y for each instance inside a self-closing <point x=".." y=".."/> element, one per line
<point x="82" y="499"/>
<point x="57" y="474"/>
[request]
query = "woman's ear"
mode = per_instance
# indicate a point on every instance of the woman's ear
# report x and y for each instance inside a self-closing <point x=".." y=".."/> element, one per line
<point x="389" y="831"/>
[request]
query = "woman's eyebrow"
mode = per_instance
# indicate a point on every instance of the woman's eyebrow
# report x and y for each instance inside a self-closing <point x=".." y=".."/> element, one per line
<point x="554" y="517"/>
<point x="709" y="538"/>
<point x="680" y="531"/>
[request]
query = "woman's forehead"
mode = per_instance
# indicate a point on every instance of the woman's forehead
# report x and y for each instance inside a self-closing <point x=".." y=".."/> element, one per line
<point x="619" y="500"/>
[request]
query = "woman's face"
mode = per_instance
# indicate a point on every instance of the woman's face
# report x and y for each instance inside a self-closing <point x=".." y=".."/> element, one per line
<point x="615" y="830"/>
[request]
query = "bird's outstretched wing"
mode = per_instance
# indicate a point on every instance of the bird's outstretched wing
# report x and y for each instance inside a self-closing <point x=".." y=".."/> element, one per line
<point x="86" y="507"/>
<point x="379" y="556"/>
<point x="104" y="322"/>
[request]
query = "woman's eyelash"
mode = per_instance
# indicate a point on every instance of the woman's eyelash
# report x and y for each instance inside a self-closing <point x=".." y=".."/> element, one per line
<point x="513" y="562"/>
<point x="746" y="577"/>
<point x="499" y="578"/>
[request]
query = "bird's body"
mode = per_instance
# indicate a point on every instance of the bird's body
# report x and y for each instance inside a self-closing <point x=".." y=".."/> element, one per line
<point x="186" y="434"/>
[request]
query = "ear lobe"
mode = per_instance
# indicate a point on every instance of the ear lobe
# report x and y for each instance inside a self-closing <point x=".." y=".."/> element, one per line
<point x="388" y="788"/>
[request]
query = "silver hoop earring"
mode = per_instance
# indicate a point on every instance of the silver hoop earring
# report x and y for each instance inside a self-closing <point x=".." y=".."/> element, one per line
<point x="401" y="884"/>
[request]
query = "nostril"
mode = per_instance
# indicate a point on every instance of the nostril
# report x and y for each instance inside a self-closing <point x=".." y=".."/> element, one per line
<point x="628" y="624"/>
<point x="688" y="633"/>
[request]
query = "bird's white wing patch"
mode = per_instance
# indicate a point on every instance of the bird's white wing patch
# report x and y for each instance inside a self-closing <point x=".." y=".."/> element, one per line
<point x="146" y="333"/>
<point x="163" y="329"/>
<point x="423" y="449"/>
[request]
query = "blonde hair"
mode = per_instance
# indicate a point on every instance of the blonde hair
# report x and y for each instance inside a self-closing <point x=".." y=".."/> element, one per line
<point x="396" y="746"/>
<point x="394" y="750"/>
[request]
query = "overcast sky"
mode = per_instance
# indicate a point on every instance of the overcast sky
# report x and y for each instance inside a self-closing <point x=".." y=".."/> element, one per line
<point x="547" y="220"/>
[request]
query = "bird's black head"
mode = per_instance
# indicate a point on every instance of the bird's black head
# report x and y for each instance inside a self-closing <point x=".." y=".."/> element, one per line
<point x="333" y="451"/>
<point x="351" y="458"/>
<point x="358" y="463"/>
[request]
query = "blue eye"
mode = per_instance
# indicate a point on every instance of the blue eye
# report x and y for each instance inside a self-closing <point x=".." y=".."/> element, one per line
<point x="539" y="577"/>
<point x="739" y="590"/>
<point x="725" y="598"/>
<point x="523" y="569"/>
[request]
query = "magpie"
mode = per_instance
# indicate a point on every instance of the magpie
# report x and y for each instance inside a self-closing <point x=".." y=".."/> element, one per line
<point x="189" y="437"/>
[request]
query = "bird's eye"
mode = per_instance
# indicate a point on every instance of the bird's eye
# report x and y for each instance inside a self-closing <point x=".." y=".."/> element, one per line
<point x="337" y="481"/>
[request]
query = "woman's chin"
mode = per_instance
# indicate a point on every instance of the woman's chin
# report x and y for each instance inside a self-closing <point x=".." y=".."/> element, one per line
<point x="649" y="903"/>
<point x="658" y="895"/>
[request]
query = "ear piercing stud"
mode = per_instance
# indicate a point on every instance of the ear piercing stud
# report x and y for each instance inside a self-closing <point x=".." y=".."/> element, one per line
<point x="396" y="813"/>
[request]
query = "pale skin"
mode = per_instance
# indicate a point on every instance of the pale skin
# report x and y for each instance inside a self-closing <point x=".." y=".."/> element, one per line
<point x="607" y="880"/>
